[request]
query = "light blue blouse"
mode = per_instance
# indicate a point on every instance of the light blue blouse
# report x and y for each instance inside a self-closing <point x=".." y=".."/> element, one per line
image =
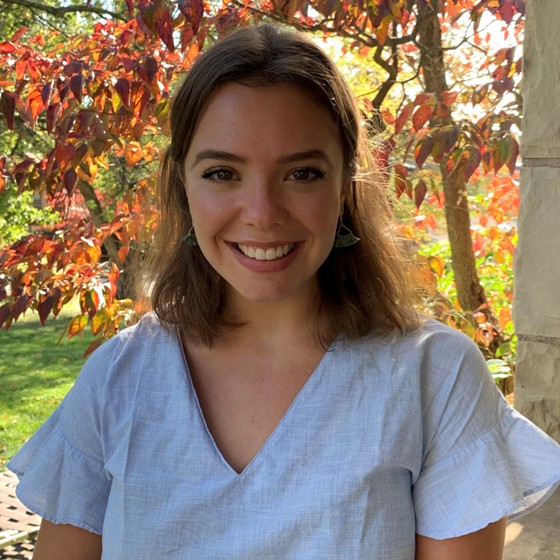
<point x="391" y="436"/>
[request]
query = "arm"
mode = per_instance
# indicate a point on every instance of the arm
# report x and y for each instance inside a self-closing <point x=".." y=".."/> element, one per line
<point x="485" y="544"/>
<point x="66" y="542"/>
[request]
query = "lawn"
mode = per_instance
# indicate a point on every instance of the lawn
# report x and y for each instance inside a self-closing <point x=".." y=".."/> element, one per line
<point x="35" y="374"/>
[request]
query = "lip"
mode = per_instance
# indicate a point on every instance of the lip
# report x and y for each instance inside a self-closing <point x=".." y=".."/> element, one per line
<point x="275" y="265"/>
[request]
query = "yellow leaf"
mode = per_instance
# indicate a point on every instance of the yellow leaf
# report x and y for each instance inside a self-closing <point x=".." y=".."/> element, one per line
<point x="77" y="325"/>
<point x="133" y="153"/>
<point x="99" y="321"/>
<point x="437" y="264"/>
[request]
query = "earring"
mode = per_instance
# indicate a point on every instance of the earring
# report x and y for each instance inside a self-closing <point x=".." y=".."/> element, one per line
<point x="190" y="239"/>
<point x="344" y="236"/>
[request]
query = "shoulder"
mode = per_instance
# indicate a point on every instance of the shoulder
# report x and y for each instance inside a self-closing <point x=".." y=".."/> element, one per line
<point x="433" y="365"/>
<point x="147" y="335"/>
<point x="119" y="363"/>
<point x="432" y="345"/>
<point x="110" y="384"/>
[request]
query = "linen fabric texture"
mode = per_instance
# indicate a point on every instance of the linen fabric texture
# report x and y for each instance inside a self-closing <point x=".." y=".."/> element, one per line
<point x="390" y="436"/>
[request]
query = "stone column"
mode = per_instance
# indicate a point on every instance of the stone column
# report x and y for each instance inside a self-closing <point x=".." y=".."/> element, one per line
<point x="537" y="266"/>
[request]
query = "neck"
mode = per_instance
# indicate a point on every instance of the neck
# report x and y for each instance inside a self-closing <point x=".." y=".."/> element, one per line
<point x="275" y="323"/>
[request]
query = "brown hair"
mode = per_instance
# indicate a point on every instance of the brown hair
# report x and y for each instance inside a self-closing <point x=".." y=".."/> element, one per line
<point x="362" y="287"/>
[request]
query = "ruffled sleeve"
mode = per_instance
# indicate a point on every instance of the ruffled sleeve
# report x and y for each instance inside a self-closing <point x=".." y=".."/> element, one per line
<point x="483" y="461"/>
<point x="61" y="468"/>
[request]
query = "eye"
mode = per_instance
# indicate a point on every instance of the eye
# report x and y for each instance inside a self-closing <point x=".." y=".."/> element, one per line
<point x="218" y="174"/>
<point x="306" y="174"/>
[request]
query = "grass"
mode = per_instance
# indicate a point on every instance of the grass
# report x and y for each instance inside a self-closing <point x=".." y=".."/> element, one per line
<point x="35" y="375"/>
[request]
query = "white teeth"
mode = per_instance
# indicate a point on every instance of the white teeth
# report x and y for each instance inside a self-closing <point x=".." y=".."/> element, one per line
<point x="269" y="254"/>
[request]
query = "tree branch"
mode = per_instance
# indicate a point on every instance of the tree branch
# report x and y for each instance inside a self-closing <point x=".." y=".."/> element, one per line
<point x="63" y="10"/>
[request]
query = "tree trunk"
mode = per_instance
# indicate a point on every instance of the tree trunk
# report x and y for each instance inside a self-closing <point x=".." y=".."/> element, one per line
<point x="470" y="293"/>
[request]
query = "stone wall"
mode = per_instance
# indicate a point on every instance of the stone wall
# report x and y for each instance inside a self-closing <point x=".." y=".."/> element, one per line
<point x="537" y="267"/>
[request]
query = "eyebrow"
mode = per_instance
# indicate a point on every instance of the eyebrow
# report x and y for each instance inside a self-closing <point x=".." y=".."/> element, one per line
<point x="290" y="158"/>
<point x="217" y="154"/>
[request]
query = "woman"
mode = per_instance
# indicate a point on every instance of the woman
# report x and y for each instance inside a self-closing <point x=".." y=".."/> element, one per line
<point x="282" y="400"/>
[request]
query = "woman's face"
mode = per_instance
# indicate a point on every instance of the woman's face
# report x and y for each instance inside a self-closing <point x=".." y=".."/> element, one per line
<point x="264" y="180"/>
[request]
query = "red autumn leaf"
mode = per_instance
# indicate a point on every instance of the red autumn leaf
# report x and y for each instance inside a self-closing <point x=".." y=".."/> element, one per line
<point x="421" y="116"/>
<point x="76" y="86"/>
<point x="63" y="154"/>
<point x="44" y="308"/>
<point x="164" y="26"/>
<point x="420" y="190"/>
<point x="501" y="86"/>
<point x="17" y="35"/>
<point x="113" y="276"/>
<point x="24" y="166"/>
<point x="139" y="96"/>
<point x="187" y="36"/>
<point x="148" y="70"/>
<point x="470" y="159"/>
<point x="500" y="73"/>
<point x="507" y="11"/>
<point x="511" y="162"/>
<point x="53" y="112"/>
<point x="7" y="47"/>
<point x="193" y="10"/>
<point x="479" y="94"/>
<point x="382" y="30"/>
<point x="70" y="179"/>
<point x="400" y="177"/>
<point x="381" y="153"/>
<point x="21" y="67"/>
<point x="5" y="312"/>
<point x="80" y="154"/>
<point x="123" y="252"/>
<point x="35" y="103"/>
<point x="7" y="106"/>
<point x="423" y="149"/>
<point x="20" y="306"/>
<point x="403" y="117"/>
<point x="122" y="87"/>
<point x="93" y="346"/>
<point x="89" y="303"/>
<point x="73" y="67"/>
<point x="425" y="98"/>
<point x="35" y="247"/>
<point x="449" y="97"/>
<point x="46" y="94"/>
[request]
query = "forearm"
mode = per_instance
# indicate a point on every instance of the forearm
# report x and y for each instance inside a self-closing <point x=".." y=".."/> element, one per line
<point x="66" y="542"/>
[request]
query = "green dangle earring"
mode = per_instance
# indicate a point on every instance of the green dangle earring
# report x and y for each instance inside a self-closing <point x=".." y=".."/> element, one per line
<point x="190" y="239"/>
<point x="344" y="236"/>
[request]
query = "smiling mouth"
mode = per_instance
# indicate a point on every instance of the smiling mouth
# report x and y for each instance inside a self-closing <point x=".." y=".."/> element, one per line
<point x="270" y="254"/>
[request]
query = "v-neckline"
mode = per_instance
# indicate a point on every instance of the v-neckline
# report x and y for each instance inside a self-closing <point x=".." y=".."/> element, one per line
<point x="306" y="388"/>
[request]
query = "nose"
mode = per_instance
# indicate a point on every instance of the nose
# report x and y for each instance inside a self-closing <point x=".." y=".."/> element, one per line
<point x="264" y="205"/>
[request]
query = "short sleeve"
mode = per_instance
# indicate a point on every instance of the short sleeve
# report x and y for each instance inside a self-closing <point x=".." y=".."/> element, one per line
<point x="482" y="461"/>
<point x="61" y="468"/>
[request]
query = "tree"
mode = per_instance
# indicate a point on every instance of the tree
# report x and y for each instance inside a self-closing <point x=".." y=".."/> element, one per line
<point x="420" y="46"/>
<point x="100" y="102"/>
